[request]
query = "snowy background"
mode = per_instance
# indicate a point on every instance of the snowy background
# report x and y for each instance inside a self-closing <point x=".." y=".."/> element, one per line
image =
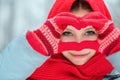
<point x="18" y="16"/>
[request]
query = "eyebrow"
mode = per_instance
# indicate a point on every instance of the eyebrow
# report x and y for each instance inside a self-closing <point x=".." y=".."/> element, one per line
<point x="67" y="29"/>
<point x="89" y="28"/>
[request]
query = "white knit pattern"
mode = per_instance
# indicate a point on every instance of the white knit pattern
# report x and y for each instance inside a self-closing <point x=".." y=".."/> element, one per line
<point x="109" y="39"/>
<point x="50" y="37"/>
<point x="56" y="27"/>
<point x="106" y="25"/>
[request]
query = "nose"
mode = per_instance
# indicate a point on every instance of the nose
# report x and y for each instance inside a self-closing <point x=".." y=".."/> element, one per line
<point x="79" y="38"/>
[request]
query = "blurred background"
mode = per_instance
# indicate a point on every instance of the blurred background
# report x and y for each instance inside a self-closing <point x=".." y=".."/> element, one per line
<point x="18" y="16"/>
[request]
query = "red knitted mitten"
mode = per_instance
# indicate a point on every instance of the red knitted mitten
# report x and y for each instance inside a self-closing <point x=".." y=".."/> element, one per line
<point x="108" y="33"/>
<point x="45" y="39"/>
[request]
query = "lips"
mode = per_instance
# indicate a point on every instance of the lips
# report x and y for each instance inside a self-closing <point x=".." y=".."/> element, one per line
<point x="80" y="55"/>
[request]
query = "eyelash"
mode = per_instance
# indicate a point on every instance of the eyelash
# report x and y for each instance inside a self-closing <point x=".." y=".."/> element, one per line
<point x="89" y="33"/>
<point x="67" y="33"/>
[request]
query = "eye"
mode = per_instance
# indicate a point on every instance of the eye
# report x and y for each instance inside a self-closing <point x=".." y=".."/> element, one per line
<point x="90" y="33"/>
<point x="67" y="33"/>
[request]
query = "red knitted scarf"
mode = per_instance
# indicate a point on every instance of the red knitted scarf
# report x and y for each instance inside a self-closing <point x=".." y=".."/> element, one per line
<point x="59" y="68"/>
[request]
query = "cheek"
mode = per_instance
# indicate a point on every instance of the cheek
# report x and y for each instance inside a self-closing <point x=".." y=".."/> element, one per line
<point x="92" y="53"/>
<point x="66" y="55"/>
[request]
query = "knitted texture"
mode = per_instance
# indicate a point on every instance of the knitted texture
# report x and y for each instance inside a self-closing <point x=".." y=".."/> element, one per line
<point x="59" y="68"/>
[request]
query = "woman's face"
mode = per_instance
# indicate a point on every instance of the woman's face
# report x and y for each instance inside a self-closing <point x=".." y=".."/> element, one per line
<point x="71" y="34"/>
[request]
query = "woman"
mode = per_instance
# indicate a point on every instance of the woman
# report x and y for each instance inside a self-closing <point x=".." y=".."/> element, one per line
<point x="77" y="59"/>
<point x="19" y="60"/>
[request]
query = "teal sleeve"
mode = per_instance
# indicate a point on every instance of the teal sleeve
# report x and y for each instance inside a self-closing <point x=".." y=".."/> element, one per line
<point x="115" y="60"/>
<point x="18" y="60"/>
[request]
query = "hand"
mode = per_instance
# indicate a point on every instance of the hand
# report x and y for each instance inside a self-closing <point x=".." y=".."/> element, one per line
<point x="108" y="34"/>
<point x="45" y="39"/>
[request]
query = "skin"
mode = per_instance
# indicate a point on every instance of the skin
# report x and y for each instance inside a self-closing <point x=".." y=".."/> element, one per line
<point x="71" y="34"/>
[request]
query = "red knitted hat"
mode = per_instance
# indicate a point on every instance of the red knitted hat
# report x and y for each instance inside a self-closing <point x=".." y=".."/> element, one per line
<point x="65" y="6"/>
<point x="60" y="6"/>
